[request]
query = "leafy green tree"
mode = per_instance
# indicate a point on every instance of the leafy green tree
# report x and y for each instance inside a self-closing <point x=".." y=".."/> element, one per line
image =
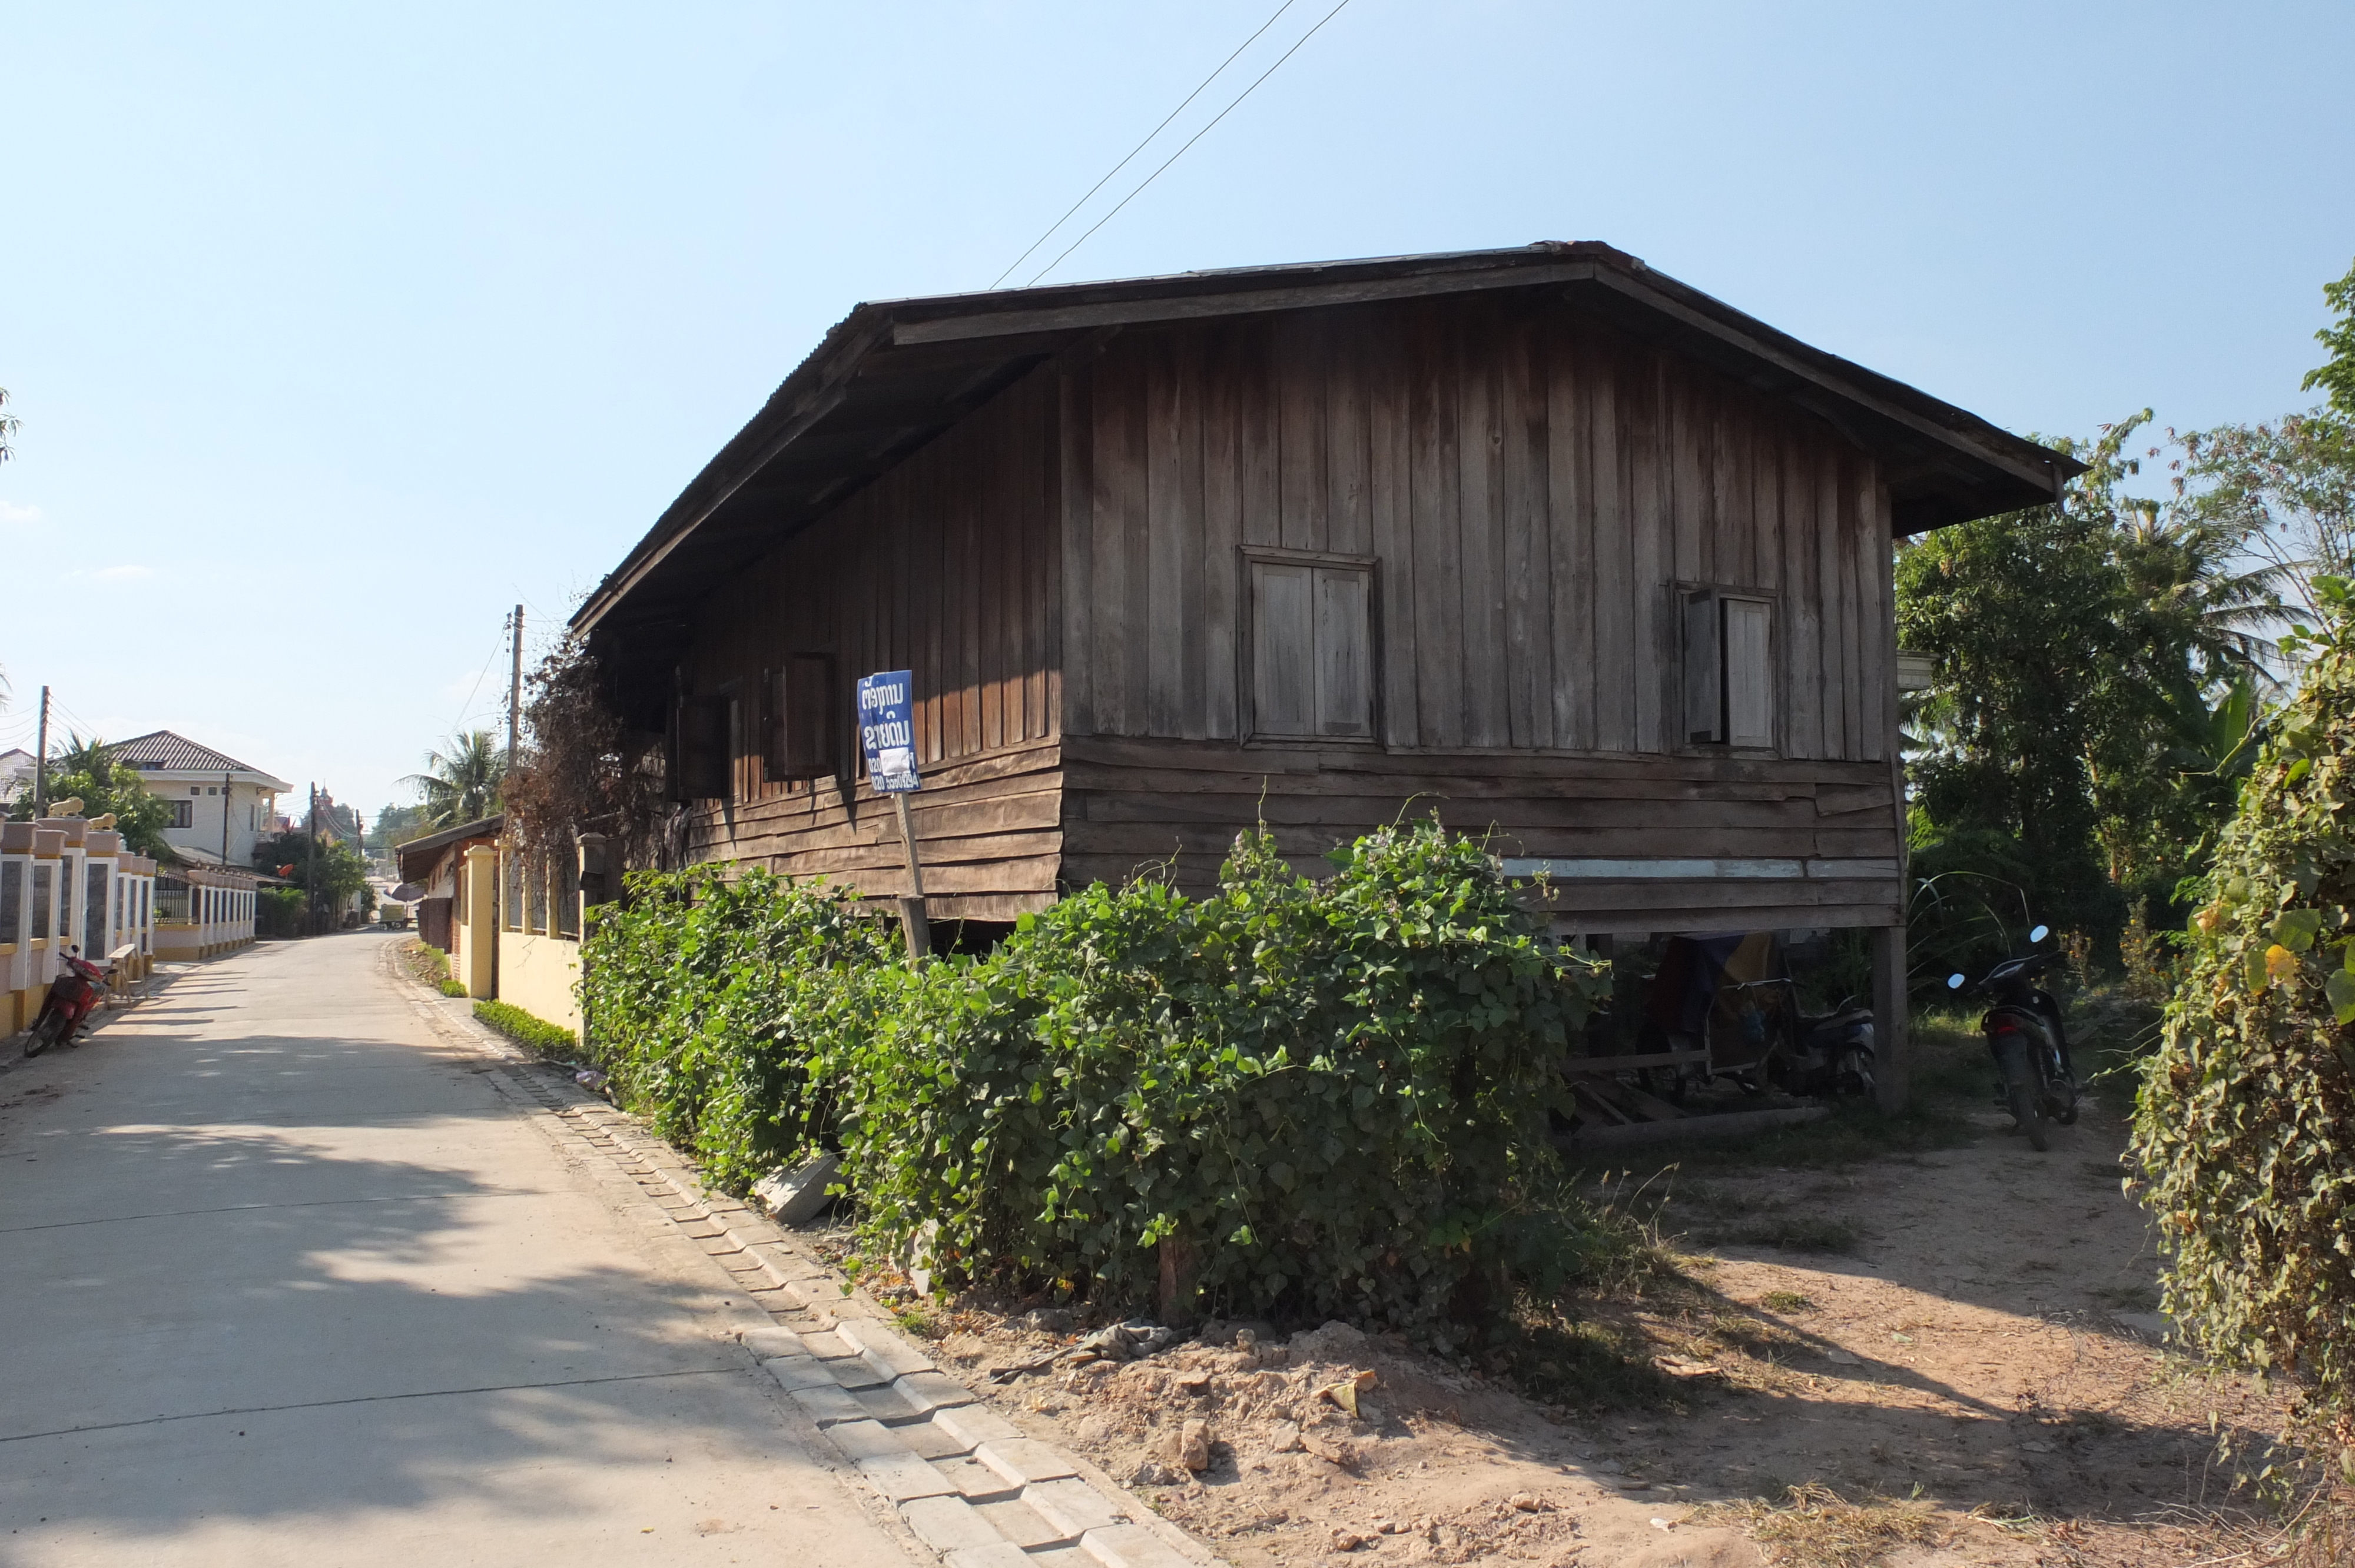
<point x="341" y="871"/>
<point x="2241" y="1126"/>
<point x="2073" y="752"/>
<point x="394" y="825"/>
<point x="88" y="768"/>
<point x="2337" y="375"/>
<point x="461" y="784"/>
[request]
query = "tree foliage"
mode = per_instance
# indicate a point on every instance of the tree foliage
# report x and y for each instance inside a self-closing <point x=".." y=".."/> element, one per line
<point x="2241" y="1126"/>
<point x="2098" y="663"/>
<point x="88" y="768"/>
<point x="1318" y="1097"/>
<point x="461" y="783"/>
<point x="341" y="871"/>
<point x="583" y="771"/>
<point x="2336" y="376"/>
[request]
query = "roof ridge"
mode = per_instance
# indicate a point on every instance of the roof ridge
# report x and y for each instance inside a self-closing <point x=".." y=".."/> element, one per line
<point x="165" y="742"/>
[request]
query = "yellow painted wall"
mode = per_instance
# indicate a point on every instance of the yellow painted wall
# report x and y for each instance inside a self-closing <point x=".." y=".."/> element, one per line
<point x="537" y="974"/>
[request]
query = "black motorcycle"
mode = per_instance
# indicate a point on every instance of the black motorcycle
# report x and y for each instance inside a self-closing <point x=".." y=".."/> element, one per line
<point x="2028" y="1042"/>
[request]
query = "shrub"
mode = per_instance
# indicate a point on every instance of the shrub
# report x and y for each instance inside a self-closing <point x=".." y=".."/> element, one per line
<point x="1326" y="1098"/>
<point x="431" y="964"/>
<point x="715" y="1006"/>
<point x="2240" y="1130"/>
<point x="278" y="912"/>
<point x="547" y="1039"/>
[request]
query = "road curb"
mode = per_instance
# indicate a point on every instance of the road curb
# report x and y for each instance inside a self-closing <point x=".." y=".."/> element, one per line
<point x="960" y="1478"/>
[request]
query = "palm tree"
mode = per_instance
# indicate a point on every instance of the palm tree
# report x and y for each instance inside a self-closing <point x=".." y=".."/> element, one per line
<point x="462" y="785"/>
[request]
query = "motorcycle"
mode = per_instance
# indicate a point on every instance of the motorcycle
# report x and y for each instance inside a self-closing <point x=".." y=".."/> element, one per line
<point x="74" y="996"/>
<point x="1734" y="996"/>
<point x="2028" y="1042"/>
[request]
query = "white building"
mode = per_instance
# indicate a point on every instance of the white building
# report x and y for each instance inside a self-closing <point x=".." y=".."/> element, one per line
<point x="16" y="773"/>
<point x="220" y="807"/>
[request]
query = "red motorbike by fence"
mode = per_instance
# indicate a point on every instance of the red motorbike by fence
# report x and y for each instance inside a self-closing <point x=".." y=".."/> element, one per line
<point x="74" y="995"/>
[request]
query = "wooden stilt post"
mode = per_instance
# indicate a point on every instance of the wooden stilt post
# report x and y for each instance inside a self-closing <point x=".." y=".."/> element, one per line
<point x="912" y="919"/>
<point x="1892" y="1050"/>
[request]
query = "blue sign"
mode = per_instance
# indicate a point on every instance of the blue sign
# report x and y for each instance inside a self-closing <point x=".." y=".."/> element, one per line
<point x="887" y="730"/>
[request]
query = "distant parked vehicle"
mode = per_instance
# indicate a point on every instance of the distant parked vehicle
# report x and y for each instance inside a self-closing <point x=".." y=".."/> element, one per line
<point x="393" y="914"/>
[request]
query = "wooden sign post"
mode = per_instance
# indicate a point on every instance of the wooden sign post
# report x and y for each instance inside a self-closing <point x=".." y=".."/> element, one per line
<point x="887" y="733"/>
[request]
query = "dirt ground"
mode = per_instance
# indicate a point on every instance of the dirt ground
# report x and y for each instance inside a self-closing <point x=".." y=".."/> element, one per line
<point x="1953" y="1356"/>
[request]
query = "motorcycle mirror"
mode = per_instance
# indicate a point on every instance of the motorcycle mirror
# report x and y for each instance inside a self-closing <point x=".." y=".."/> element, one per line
<point x="1954" y="982"/>
<point x="2039" y="932"/>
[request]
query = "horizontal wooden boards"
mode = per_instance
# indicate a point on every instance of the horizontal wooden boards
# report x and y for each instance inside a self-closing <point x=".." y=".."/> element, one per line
<point x="989" y="829"/>
<point x="1533" y="487"/>
<point x="945" y="565"/>
<point x="1175" y="808"/>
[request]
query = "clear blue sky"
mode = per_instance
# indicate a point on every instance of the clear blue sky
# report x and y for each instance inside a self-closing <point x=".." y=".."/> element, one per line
<point x="336" y="331"/>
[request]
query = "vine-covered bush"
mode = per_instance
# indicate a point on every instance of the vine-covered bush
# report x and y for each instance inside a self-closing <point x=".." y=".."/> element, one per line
<point x="717" y="1006"/>
<point x="2245" y="1134"/>
<point x="1323" y="1098"/>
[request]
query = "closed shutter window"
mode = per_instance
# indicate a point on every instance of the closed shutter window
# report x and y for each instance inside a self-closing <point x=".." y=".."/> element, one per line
<point x="1312" y="650"/>
<point x="799" y="738"/>
<point x="1728" y="669"/>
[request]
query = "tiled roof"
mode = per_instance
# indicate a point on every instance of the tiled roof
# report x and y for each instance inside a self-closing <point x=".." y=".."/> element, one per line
<point x="162" y="748"/>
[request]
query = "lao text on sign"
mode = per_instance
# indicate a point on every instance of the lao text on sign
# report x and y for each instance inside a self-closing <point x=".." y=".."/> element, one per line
<point x="887" y="730"/>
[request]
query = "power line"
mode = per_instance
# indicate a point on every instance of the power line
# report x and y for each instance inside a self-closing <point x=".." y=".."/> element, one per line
<point x="497" y="648"/>
<point x="1197" y="136"/>
<point x="1140" y="147"/>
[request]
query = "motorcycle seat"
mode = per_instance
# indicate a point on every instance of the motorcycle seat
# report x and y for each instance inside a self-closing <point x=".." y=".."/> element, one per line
<point x="1853" y="1015"/>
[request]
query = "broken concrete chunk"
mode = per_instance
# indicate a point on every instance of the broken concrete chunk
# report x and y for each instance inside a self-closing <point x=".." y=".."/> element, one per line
<point x="796" y="1197"/>
<point x="1194" y="1446"/>
<point x="1282" y="1437"/>
<point x="1331" y="1449"/>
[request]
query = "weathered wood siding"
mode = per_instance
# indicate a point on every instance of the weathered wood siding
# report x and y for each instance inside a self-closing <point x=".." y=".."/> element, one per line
<point x="945" y="565"/>
<point x="1532" y="486"/>
<point x="1066" y="572"/>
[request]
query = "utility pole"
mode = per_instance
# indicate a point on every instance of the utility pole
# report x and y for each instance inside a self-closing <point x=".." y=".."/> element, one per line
<point x="311" y="869"/>
<point x="515" y="687"/>
<point x="41" y="759"/>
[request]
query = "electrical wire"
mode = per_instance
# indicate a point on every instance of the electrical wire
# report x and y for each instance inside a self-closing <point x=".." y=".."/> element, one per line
<point x="1197" y="136"/>
<point x="468" y="706"/>
<point x="1140" y="147"/>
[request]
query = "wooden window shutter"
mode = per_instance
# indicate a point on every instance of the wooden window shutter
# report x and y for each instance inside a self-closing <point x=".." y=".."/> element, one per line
<point x="1748" y="680"/>
<point x="702" y="749"/>
<point x="801" y="734"/>
<point x="1345" y="654"/>
<point x="1312" y="649"/>
<point x="1283" y="649"/>
<point x="1704" y="670"/>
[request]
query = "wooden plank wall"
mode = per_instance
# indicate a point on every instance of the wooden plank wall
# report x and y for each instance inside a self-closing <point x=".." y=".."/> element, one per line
<point x="947" y="566"/>
<point x="1532" y="484"/>
<point x="1136" y="802"/>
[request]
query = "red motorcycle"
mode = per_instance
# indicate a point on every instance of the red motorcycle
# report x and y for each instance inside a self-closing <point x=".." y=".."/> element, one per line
<point x="74" y="995"/>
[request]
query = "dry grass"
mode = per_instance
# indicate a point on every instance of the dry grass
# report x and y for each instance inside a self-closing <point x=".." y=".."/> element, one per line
<point x="1817" y="1528"/>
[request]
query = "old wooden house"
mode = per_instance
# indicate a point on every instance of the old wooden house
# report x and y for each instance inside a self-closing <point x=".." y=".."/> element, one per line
<point x="1539" y="538"/>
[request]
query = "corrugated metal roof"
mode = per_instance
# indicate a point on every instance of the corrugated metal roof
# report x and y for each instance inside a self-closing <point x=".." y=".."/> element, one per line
<point x="891" y="375"/>
<point x="416" y="857"/>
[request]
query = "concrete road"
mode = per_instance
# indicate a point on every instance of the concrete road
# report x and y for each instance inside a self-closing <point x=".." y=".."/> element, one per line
<point x="284" y="1279"/>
